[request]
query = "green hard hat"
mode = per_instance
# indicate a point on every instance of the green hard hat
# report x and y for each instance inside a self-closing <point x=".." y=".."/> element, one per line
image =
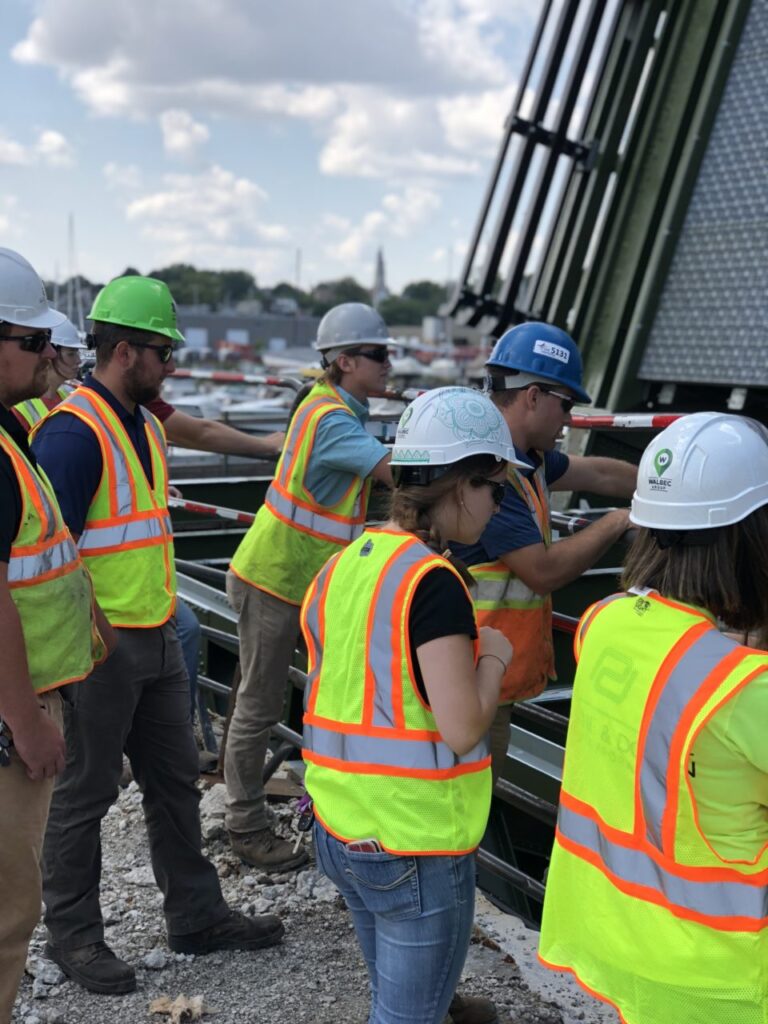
<point x="140" y="302"/>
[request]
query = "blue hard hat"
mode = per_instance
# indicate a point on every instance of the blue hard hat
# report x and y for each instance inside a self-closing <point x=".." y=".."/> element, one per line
<point x="543" y="351"/>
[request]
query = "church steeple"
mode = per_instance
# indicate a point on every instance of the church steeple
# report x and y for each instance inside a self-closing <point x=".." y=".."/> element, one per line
<point x="380" y="290"/>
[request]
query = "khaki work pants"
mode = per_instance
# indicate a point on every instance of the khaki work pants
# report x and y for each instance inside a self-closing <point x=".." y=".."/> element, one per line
<point x="23" y="811"/>
<point x="269" y="630"/>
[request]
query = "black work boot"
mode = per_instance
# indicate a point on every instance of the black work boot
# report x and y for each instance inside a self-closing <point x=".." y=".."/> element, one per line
<point x="95" y="967"/>
<point x="236" y="931"/>
<point x="265" y="850"/>
<point x="471" y="1010"/>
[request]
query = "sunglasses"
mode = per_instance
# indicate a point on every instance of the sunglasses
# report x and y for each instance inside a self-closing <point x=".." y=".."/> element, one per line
<point x="164" y="352"/>
<point x="565" y="400"/>
<point x="35" y="342"/>
<point x="498" y="487"/>
<point x="380" y="354"/>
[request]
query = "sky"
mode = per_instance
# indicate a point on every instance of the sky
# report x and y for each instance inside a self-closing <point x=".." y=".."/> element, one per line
<point x="232" y="134"/>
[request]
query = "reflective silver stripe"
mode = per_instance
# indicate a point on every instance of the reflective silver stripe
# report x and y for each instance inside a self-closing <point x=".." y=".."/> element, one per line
<point x="503" y="587"/>
<point x="423" y="755"/>
<point x="79" y="399"/>
<point x="710" y="899"/>
<point x="312" y="622"/>
<point x="681" y="687"/>
<point x="153" y="425"/>
<point x="315" y="521"/>
<point x="28" y="567"/>
<point x="126" y="533"/>
<point x="30" y="411"/>
<point x="297" y="426"/>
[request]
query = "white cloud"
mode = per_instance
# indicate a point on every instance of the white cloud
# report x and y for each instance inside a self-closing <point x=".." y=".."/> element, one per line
<point x="122" y="176"/>
<point x="182" y="135"/>
<point x="210" y="212"/>
<point x="9" y="217"/>
<point x="473" y="122"/>
<point x="50" y="147"/>
<point x="53" y="149"/>
<point x="398" y="215"/>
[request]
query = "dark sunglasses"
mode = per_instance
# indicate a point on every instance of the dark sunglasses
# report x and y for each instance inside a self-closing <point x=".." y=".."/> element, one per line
<point x="35" y="342"/>
<point x="565" y="400"/>
<point x="498" y="487"/>
<point x="380" y="354"/>
<point x="164" y="352"/>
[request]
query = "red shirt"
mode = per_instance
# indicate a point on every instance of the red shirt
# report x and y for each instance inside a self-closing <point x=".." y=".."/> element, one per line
<point x="160" y="409"/>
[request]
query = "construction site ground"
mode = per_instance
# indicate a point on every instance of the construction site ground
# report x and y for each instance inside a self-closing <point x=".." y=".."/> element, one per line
<point x="316" y="975"/>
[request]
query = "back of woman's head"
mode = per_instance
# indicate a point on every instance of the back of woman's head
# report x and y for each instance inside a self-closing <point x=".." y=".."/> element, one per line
<point x="724" y="570"/>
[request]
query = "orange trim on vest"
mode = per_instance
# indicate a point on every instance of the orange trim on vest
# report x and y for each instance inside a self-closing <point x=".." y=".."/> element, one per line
<point x="397" y="853"/>
<point x="362" y="768"/>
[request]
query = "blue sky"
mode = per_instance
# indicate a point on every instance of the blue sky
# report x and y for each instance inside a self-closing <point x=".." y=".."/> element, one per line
<point x="228" y="133"/>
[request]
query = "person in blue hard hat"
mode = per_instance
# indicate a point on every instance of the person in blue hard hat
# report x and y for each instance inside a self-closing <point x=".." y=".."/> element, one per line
<point x="535" y="379"/>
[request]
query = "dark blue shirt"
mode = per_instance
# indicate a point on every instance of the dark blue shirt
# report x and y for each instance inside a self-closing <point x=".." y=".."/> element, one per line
<point x="514" y="526"/>
<point x="70" y="454"/>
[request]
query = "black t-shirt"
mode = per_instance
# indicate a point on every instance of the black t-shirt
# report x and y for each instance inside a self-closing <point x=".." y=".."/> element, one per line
<point x="439" y="608"/>
<point x="10" y="492"/>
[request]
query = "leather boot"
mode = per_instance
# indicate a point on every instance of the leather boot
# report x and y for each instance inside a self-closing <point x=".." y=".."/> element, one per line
<point x="236" y="931"/>
<point x="265" y="850"/>
<point x="471" y="1010"/>
<point x="95" y="967"/>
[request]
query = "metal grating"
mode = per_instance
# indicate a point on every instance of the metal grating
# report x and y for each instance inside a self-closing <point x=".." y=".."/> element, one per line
<point x="711" y="326"/>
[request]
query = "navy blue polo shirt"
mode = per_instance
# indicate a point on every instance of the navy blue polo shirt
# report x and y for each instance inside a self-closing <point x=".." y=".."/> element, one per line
<point x="70" y="454"/>
<point x="514" y="526"/>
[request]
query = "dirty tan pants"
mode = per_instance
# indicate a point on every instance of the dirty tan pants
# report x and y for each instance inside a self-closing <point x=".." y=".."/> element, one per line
<point x="23" y="813"/>
<point x="269" y="630"/>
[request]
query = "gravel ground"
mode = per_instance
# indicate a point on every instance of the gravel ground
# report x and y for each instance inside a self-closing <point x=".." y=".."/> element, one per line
<point x="316" y="975"/>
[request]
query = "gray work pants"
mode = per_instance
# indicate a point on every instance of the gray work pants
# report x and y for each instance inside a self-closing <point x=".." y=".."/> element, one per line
<point x="137" y="701"/>
<point x="268" y="630"/>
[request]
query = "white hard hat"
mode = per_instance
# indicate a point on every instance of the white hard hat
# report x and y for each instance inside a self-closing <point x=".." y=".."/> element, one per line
<point x="23" y="301"/>
<point x="706" y="470"/>
<point x="449" y="424"/>
<point x="66" y="335"/>
<point x="350" y="324"/>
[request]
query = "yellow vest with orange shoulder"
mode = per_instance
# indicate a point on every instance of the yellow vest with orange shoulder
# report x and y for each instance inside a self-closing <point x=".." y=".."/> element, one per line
<point x="127" y="542"/>
<point x="32" y="410"/>
<point x="503" y="601"/>
<point x="48" y="583"/>
<point x="640" y="905"/>
<point x="377" y="765"/>
<point x="293" y="535"/>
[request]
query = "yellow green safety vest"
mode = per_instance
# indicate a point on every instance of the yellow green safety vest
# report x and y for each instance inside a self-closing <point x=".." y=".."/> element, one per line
<point x="32" y="410"/>
<point x="127" y="542"/>
<point x="293" y="535"/>
<point x="639" y="905"/>
<point x="503" y="601"/>
<point x="377" y="765"/>
<point x="49" y="584"/>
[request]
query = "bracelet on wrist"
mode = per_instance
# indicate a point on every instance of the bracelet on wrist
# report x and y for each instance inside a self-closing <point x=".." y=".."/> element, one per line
<point x="501" y="661"/>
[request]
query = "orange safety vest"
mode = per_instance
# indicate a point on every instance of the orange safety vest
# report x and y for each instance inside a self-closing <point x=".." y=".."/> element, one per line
<point x="503" y="601"/>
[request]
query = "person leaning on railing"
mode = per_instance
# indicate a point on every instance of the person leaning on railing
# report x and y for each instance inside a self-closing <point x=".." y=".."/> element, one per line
<point x="657" y="892"/>
<point x="535" y="379"/>
<point x="399" y="698"/>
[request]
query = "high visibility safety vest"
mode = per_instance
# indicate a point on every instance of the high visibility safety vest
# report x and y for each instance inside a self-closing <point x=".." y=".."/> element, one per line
<point x="377" y="765"/>
<point x="503" y="601"/>
<point x="32" y="410"/>
<point x="127" y="542"/>
<point x="639" y="904"/>
<point x="293" y="535"/>
<point x="49" y="584"/>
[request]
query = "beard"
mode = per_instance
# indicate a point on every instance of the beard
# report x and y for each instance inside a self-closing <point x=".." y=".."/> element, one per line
<point x="138" y="388"/>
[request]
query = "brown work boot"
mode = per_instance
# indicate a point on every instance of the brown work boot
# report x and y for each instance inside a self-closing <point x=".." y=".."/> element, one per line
<point x="236" y="931"/>
<point x="265" y="850"/>
<point x="95" y="967"/>
<point x="471" y="1010"/>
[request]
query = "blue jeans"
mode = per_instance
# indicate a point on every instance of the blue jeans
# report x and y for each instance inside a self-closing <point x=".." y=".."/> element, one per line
<point x="188" y="630"/>
<point x="413" y="918"/>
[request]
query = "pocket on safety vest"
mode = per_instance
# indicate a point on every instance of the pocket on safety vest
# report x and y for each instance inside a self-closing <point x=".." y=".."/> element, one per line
<point x="387" y="884"/>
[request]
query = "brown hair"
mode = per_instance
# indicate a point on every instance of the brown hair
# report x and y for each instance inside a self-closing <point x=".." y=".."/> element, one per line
<point x="107" y="336"/>
<point x="728" y="575"/>
<point x="411" y="504"/>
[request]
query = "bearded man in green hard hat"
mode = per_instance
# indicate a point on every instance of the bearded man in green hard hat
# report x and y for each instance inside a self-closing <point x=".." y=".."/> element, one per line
<point x="105" y="454"/>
